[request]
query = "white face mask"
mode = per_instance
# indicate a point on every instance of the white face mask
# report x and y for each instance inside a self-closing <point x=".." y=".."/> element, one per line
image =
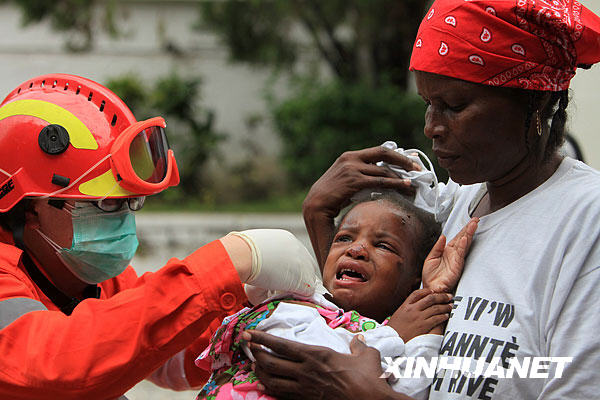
<point x="430" y="195"/>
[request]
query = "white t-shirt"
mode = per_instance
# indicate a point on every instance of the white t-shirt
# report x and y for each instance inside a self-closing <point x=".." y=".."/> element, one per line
<point x="530" y="287"/>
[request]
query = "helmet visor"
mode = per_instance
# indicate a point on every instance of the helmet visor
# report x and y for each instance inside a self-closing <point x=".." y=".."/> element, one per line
<point x="148" y="154"/>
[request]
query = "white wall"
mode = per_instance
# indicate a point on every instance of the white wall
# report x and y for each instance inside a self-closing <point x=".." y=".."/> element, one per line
<point x="233" y="91"/>
<point x="584" y="110"/>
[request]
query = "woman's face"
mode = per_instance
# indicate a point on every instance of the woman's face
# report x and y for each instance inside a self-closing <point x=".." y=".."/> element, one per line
<point x="371" y="267"/>
<point x="478" y="131"/>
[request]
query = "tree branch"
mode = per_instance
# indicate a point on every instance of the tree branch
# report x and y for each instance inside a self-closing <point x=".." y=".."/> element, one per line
<point x="336" y="63"/>
<point x="329" y="30"/>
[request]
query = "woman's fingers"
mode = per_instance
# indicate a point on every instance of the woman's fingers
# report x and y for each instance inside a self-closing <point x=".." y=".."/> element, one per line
<point x="277" y="385"/>
<point x="438" y="249"/>
<point x="270" y="362"/>
<point x="289" y="349"/>
<point x="379" y="153"/>
<point x="462" y="247"/>
<point x="467" y="231"/>
<point x="370" y="175"/>
<point x="403" y="185"/>
<point x="462" y="241"/>
<point x="375" y="170"/>
<point x="358" y="344"/>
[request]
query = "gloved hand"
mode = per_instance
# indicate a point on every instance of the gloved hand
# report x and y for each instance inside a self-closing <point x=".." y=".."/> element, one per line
<point x="280" y="262"/>
<point x="257" y="295"/>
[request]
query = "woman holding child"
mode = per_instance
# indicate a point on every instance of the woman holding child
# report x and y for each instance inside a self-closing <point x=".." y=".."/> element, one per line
<point x="494" y="76"/>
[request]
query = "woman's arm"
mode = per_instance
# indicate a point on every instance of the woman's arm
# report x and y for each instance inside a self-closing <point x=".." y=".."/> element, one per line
<point x="299" y="371"/>
<point x="351" y="172"/>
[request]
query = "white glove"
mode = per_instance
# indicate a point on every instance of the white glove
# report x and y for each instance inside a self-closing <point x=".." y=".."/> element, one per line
<point x="280" y="262"/>
<point x="257" y="295"/>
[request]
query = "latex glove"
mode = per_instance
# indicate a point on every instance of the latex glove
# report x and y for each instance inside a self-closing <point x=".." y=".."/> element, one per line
<point x="280" y="262"/>
<point x="257" y="295"/>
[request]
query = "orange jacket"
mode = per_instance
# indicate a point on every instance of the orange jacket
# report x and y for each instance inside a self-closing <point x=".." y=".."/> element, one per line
<point x="107" y="345"/>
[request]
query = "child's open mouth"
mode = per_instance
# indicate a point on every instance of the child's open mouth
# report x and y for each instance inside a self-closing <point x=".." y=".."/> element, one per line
<point x="351" y="275"/>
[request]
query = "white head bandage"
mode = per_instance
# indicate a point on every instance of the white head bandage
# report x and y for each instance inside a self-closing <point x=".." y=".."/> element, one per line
<point x="431" y="195"/>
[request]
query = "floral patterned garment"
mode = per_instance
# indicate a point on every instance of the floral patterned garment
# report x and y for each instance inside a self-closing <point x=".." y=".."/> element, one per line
<point x="232" y="377"/>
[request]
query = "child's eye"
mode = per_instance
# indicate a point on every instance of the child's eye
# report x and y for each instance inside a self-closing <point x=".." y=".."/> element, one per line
<point x="342" y="238"/>
<point x="386" y="246"/>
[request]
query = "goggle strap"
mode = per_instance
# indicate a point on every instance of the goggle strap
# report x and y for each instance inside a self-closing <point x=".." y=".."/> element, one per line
<point x="6" y="173"/>
<point x="93" y="167"/>
<point x="111" y="191"/>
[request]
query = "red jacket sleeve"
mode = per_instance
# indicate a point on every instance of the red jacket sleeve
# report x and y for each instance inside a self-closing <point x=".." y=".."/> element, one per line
<point x="108" y="345"/>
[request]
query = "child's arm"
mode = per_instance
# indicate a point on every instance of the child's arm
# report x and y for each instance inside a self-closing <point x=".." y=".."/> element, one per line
<point x="421" y="312"/>
<point x="444" y="264"/>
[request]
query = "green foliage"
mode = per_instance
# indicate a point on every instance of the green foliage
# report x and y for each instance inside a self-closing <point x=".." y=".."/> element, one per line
<point x="360" y="40"/>
<point x="73" y="16"/>
<point x="319" y="123"/>
<point x="253" y="31"/>
<point x="193" y="139"/>
<point x="365" y="44"/>
<point x="133" y="92"/>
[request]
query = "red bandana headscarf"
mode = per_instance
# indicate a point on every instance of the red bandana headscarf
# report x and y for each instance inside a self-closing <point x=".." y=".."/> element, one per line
<point x="528" y="44"/>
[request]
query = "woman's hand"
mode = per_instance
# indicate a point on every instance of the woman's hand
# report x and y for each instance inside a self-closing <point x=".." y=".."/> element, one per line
<point x="300" y="371"/>
<point x="351" y="172"/>
<point x="444" y="264"/>
<point x="420" y="313"/>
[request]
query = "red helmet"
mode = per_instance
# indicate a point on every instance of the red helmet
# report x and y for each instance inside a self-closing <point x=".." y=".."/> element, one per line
<point x="65" y="136"/>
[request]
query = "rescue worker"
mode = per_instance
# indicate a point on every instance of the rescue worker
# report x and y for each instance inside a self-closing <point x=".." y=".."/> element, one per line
<point x="76" y="322"/>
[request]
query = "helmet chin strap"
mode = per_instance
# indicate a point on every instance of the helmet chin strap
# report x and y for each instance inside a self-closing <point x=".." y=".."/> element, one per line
<point x="64" y="302"/>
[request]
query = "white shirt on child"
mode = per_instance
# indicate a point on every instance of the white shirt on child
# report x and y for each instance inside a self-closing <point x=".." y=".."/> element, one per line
<point x="305" y="325"/>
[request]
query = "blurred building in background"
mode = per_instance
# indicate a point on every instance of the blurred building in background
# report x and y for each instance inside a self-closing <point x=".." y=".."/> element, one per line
<point x="158" y="38"/>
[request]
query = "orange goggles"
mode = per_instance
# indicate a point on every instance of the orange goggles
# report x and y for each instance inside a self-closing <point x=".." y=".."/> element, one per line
<point x="141" y="159"/>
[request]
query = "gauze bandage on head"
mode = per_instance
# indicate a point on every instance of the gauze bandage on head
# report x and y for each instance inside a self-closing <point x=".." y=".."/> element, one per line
<point x="430" y="195"/>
